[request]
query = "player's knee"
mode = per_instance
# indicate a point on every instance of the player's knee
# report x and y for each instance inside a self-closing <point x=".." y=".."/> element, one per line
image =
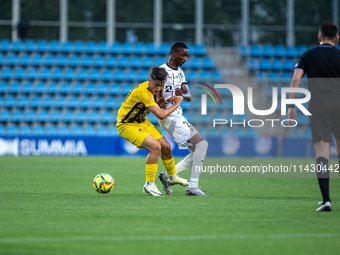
<point x="166" y="148"/>
<point x="157" y="148"/>
<point x="203" y="145"/>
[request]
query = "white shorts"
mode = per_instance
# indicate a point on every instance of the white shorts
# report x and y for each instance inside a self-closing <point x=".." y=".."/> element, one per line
<point x="179" y="128"/>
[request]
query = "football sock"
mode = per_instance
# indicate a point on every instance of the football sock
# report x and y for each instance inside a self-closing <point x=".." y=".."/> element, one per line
<point x="151" y="172"/>
<point x="199" y="156"/>
<point x="323" y="177"/>
<point x="149" y="183"/>
<point x="184" y="163"/>
<point x="169" y="165"/>
<point x="339" y="163"/>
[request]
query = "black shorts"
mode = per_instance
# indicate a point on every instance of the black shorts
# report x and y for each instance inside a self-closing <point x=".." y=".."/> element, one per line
<point x="325" y="119"/>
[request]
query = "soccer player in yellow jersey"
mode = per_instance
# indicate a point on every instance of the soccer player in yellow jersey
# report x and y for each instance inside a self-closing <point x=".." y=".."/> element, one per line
<point x="135" y="128"/>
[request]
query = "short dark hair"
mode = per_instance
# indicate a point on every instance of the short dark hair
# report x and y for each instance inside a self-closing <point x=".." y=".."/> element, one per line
<point x="177" y="46"/>
<point x="158" y="73"/>
<point x="328" y="30"/>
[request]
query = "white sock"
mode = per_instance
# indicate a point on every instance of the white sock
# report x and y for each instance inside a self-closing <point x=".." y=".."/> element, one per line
<point x="199" y="156"/>
<point x="149" y="183"/>
<point x="184" y="163"/>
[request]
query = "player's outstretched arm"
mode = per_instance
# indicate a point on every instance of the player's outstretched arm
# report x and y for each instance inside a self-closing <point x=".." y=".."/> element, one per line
<point x="163" y="113"/>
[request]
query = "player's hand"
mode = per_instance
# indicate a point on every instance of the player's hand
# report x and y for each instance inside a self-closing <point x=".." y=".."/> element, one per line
<point x="161" y="104"/>
<point x="171" y="99"/>
<point x="291" y="114"/>
<point x="178" y="92"/>
<point x="178" y="100"/>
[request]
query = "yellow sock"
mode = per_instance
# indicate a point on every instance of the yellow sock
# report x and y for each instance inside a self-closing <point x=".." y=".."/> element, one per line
<point x="151" y="172"/>
<point x="169" y="165"/>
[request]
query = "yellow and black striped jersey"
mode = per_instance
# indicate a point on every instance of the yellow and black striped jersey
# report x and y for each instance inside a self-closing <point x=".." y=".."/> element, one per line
<point x="135" y="106"/>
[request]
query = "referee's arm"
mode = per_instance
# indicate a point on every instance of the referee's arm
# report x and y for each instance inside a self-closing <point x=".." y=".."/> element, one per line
<point x="298" y="74"/>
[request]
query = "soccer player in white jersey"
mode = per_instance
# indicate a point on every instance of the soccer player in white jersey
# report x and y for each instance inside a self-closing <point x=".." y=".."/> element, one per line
<point x="184" y="134"/>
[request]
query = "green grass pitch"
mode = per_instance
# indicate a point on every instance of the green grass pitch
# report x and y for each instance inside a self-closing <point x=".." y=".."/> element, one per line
<point x="49" y="206"/>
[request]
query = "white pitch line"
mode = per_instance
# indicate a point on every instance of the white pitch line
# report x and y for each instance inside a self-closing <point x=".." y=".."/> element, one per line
<point x="165" y="238"/>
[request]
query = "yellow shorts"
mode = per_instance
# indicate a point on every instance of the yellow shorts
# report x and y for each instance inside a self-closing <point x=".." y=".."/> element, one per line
<point x="136" y="133"/>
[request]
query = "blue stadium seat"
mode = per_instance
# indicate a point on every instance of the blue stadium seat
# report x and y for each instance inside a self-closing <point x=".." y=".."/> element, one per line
<point x="301" y="49"/>
<point x="44" y="73"/>
<point x="115" y="48"/>
<point x="81" y="74"/>
<point x="36" y="60"/>
<point x="3" y="87"/>
<point x="5" y="44"/>
<point x="84" y="102"/>
<point x="164" y="49"/>
<point x="38" y="130"/>
<point x="89" y="88"/>
<point x="252" y="64"/>
<point x="25" y="129"/>
<point x="46" y="101"/>
<point x="291" y="52"/>
<point x="126" y="48"/>
<point x="150" y="48"/>
<point x="244" y="51"/>
<point x="106" y="75"/>
<point x="16" y="46"/>
<point x="9" y="100"/>
<point x="159" y="61"/>
<point x="77" y="88"/>
<point x="34" y="101"/>
<point x="39" y="87"/>
<point x="264" y="64"/>
<point x="2" y="59"/>
<point x="79" y="116"/>
<point x="85" y="60"/>
<point x="78" y="47"/>
<point x="139" y="48"/>
<point x="110" y="61"/>
<point x="73" y="60"/>
<point x="29" y="46"/>
<point x="195" y="62"/>
<point x="76" y="130"/>
<point x="192" y="75"/>
<point x="207" y="63"/>
<point x="98" y="61"/>
<point x="93" y="75"/>
<point x="122" y="61"/>
<point x="67" y="116"/>
<point x="21" y="101"/>
<point x="7" y="73"/>
<point x="31" y="73"/>
<point x="69" y="74"/>
<point x="48" y="60"/>
<point x="16" y="115"/>
<point x="126" y="88"/>
<point x="112" y="131"/>
<point x="286" y="77"/>
<point x="97" y="102"/>
<point x="56" y="74"/>
<point x="65" y="88"/>
<point x="110" y="102"/>
<point x="256" y="51"/>
<point x="216" y="76"/>
<point x="113" y="89"/>
<point x="61" y="60"/>
<point x="101" y="130"/>
<point x="50" y="129"/>
<point x="199" y="49"/>
<point x="63" y="130"/>
<point x="146" y="61"/>
<point x="90" y="47"/>
<point x="268" y="51"/>
<point x="19" y="73"/>
<point x="118" y="75"/>
<point x="134" y="62"/>
<point x="131" y="75"/>
<point x="24" y="59"/>
<point x="261" y="77"/>
<point x="59" y="101"/>
<point x="54" y="46"/>
<point x="54" y="115"/>
<point x="204" y="75"/>
<point x="102" y="47"/>
<point x="29" y="115"/>
<point x="273" y="77"/>
<point x="88" y="130"/>
<point x="280" y="51"/>
<point x="72" y="101"/>
<point x="106" y="116"/>
<point x="288" y="65"/>
<point x="14" y="87"/>
<point x="11" y="59"/>
<point x="27" y="87"/>
<point x="66" y="47"/>
<point x="102" y="88"/>
<point x="42" y="115"/>
<point x="4" y="114"/>
<point x="41" y="46"/>
<point x="276" y="64"/>
<point x="12" y="130"/>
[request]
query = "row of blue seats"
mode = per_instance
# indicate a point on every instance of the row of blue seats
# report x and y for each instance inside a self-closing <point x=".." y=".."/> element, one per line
<point x="94" y="47"/>
<point x="93" y="74"/>
<point x="276" y="77"/>
<point x="266" y="64"/>
<point x="97" y="61"/>
<point x="38" y="129"/>
<point x="99" y="130"/>
<point x="272" y="51"/>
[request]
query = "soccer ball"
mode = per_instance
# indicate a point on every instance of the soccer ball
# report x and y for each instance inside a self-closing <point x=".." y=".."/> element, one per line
<point x="103" y="183"/>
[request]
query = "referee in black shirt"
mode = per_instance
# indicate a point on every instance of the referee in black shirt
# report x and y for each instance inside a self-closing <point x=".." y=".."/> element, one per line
<point x="322" y="66"/>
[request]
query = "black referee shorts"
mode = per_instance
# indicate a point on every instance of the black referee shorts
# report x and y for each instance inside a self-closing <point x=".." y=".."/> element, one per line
<point x="325" y="119"/>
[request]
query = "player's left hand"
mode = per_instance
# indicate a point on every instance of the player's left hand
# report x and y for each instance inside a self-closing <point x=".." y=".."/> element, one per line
<point x="178" y="92"/>
<point x="291" y="114"/>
